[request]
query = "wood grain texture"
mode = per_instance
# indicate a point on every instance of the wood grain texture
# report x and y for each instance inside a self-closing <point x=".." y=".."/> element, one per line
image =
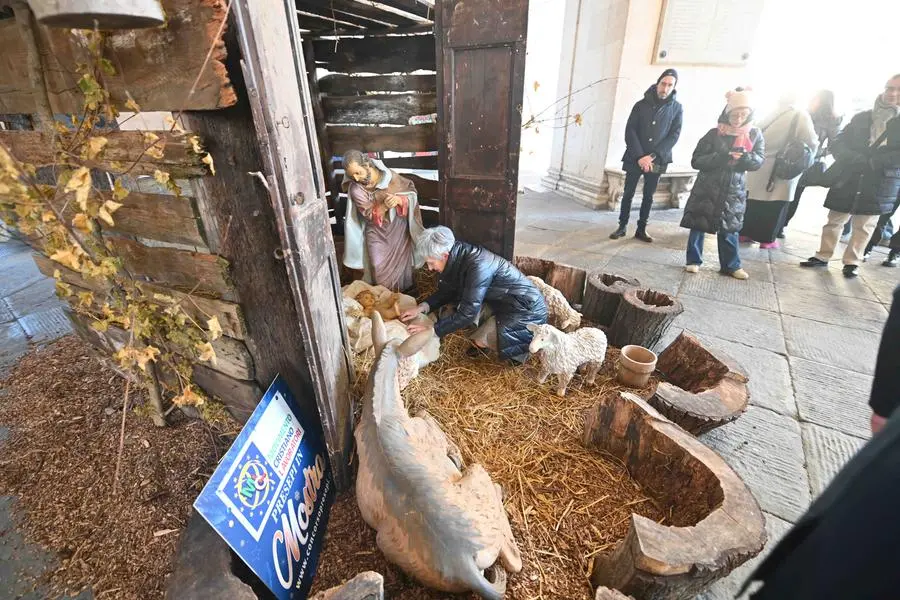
<point x="124" y="149"/>
<point x="346" y="85"/>
<point x="411" y="138"/>
<point x="400" y="54"/>
<point x="603" y="294"/>
<point x="157" y="66"/>
<point x="378" y="109"/>
<point x="240" y="397"/>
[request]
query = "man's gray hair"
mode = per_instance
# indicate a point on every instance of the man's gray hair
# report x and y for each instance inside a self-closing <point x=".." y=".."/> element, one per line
<point x="435" y="241"/>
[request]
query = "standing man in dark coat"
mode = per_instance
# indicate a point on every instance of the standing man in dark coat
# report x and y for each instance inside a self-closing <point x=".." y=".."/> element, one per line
<point x="472" y="279"/>
<point x="650" y="134"/>
<point x="846" y="545"/>
<point x="867" y="160"/>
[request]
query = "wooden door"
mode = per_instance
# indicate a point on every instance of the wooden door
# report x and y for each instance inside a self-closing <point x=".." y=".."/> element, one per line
<point x="275" y="76"/>
<point x="481" y="71"/>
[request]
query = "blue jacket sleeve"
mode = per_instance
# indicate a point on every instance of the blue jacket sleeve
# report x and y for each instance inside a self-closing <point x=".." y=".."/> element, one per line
<point x="442" y="296"/>
<point x="475" y="286"/>
<point x="632" y="139"/>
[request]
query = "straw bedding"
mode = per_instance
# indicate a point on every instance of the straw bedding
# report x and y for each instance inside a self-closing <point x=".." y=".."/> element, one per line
<point x="567" y="504"/>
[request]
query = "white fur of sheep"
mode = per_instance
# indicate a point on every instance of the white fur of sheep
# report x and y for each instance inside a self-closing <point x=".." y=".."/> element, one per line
<point x="562" y="353"/>
<point x="560" y="313"/>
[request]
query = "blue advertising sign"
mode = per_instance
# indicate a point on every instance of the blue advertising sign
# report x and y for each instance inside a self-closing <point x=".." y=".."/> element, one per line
<point x="270" y="495"/>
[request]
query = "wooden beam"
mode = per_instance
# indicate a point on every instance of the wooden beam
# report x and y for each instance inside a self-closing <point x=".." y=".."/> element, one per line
<point x="314" y="22"/>
<point x="204" y="274"/>
<point x="345" y="85"/>
<point x="378" y="109"/>
<point x="125" y="150"/>
<point x="375" y="16"/>
<point x="239" y="397"/>
<point x="372" y="32"/>
<point x="156" y="66"/>
<point x="414" y="138"/>
<point x="426" y="188"/>
<point x="411" y="7"/>
<point x="377" y="54"/>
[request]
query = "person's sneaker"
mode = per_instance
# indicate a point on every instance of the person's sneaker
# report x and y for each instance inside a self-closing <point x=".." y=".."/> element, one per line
<point x="851" y="271"/>
<point x="768" y="245"/>
<point x="740" y="274"/>
<point x="641" y="234"/>
<point x="891" y="260"/>
<point x="866" y="256"/>
<point x="780" y="235"/>
<point x="618" y="233"/>
<point x="812" y="261"/>
<point x="692" y="268"/>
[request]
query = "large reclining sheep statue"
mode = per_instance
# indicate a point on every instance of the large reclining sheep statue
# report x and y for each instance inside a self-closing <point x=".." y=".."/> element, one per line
<point x="440" y="525"/>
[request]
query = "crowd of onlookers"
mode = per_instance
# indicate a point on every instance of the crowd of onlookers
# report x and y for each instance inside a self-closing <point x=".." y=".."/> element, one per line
<point x="752" y="173"/>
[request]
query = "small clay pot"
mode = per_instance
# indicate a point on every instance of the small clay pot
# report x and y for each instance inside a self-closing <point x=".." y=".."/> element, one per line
<point x="636" y="364"/>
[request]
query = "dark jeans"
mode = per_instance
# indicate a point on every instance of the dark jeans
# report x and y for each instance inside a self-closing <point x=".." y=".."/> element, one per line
<point x="792" y="209"/>
<point x="651" y="180"/>
<point x="884" y="229"/>
<point x="729" y="259"/>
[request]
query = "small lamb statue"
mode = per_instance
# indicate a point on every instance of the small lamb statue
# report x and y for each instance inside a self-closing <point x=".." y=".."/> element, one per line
<point x="560" y="312"/>
<point x="562" y="353"/>
<point x="442" y="524"/>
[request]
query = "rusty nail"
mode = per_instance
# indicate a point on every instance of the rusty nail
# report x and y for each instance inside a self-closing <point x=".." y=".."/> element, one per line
<point x="279" y="254"/>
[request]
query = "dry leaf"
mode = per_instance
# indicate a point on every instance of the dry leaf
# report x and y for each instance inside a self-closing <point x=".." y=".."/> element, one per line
<point x="195" y="144"/>
<point x="64" y="290"/>
<point x="112" y="206"/>
<point x="131" y="105"/>
<point x="104" y="214"/>
<point x="161" y="177"/>
<point x="95" y="146"/>
<point x="80" y="183"/>
<point x="146" y="355"/>
<point x="83" y="222"/>
<point x="215" y="330"/>
<point x="206" y="353"/>
<point x="85" y="298"/>
<point x="119" y="192"/>
<point x="208" y="161"/>
<point x="47" y="216"/>
<point x="578" y="119"/>
<point x="173" y="124"/>
<point x="67" y="258"/>
<point x="188" y="397"/>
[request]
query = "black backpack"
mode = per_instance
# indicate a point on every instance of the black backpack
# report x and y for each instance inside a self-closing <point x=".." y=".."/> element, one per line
<point x="795" y="158"/>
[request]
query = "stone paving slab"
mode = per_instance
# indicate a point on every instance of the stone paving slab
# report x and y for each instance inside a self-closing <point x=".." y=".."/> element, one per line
<point x="852" y="349"/>
<point x="532" y="250"/>
<point x="811" y="303"/>
<point x="533" y="235"/>
<point x="659" y="277"/>
<point x="653" y="253"/>
<point x="589" y="261"/>
<point x="764" y="448"/>
<point x="883" y="288"/>
<point x="827" y="451"/>
<point x="17" y="271"/>
<point x="830" y="280"/>
<point x="6" y="314"/>
<point x="770" y="375"/>
<point x="717" y="286"/>
<point x="728" y="587"/>
<point x="750" y="326"/>
<point x="13" y="344"/>
<point x="832" y="397"/>
<point x="37" y="297"/>
<point x="46" y="326"/>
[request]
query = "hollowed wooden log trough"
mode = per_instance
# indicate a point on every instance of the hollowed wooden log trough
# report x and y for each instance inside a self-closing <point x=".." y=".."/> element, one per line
<point x="700" y="388"/>
<point x="715" y="524"/>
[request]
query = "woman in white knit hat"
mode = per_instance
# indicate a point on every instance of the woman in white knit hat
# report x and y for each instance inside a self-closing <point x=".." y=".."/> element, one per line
<point x="719" y="197"/>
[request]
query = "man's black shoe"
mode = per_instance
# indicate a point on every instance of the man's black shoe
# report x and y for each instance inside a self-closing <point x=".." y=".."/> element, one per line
<point x="618" y="233"/>
<point x="851" y="271"/>
<point x="812" y="261"/>
<point x="642" y="235"/>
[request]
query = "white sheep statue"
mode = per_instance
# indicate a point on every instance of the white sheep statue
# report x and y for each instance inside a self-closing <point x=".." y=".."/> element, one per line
<point x="560" y="313"/>
<point x="561" y="354"/>
<point x="442" y="525"/>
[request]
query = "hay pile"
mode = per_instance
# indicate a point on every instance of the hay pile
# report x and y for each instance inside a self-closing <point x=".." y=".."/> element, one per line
<point x="566" y="504"/>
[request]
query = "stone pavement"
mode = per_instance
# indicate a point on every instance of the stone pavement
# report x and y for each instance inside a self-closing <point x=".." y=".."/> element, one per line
<point x="30" y="314"/>
<point x="808" y="340"/>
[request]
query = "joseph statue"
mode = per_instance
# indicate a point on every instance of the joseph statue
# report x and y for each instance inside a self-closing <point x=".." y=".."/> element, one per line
<point x="382" y="223"/>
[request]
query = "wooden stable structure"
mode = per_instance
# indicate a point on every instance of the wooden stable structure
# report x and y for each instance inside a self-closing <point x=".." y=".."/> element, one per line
<point x="286" y="89"/>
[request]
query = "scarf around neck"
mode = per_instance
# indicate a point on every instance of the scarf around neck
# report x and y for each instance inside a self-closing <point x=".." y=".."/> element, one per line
<point x="881" y="114"/>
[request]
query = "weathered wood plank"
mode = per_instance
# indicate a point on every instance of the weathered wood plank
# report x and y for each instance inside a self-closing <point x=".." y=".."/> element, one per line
<point x="199" y="308"/>
<point x="375" y="16"/>
<point x="239" y="397"/>
<point x="425" y="163"/>
<point x="347" y="85"/>
<point x="124" y="149"/>
<point x="156" y="66"/>
<point x="412" y="138"/>
<point x="187" y="271"/>
<point x="378" y="109"/>
<point x="426" y="188"/>
<point x="401" y="54"/>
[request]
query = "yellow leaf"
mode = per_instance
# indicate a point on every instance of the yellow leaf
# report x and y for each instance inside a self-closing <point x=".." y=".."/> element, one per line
<point x="56" y="274"/>
<point x="104" y="214"/>
<point x="578" y="119"/>
<point x="85" y="298"/>
<point x="119" y="192"/>
<point x="80" y="183"/>
<point x="155" y="152"/>
<point x="206" y="353"/>
<point x="47" y="216"/>
<point x="112" y="206"/>
<point x="188" y="397"/>
<point x="63" y="290"/>
<point x="146" y="355"/>
<point x="173" y="124"/>
<point x="537" y="84"/>
<point x="150" y="138"/>
<point x="95" y="146"/>
<point x="67" y="258"/>
<point x="208" y="161"/>
<point x="100" y="325"/>
<point x="195" y="144"/>
<point x="215" y="330"/>
<point x="161" y="176"/>
<point x="83" y="222"/>
<point x="131" y="105"/>
<point x="163" y="298"/>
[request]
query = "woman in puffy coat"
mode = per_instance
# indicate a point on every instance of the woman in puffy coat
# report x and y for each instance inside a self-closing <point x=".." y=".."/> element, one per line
<point x="472" y="279"/>
<point x="719" y="197"/>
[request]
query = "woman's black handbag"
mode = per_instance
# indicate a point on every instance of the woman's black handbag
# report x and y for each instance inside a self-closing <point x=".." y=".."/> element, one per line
<point x="815" y="175"/>
<point x="837" y="172"/>
<point x="792" y="160"/>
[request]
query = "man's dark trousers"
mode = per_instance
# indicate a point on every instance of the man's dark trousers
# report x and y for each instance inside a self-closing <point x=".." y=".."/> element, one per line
<point x="651" y="180"/>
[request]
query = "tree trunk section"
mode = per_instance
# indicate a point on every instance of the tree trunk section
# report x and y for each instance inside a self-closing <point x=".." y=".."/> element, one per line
<point x="643" y="317"/>
<point x="603" y="294"/>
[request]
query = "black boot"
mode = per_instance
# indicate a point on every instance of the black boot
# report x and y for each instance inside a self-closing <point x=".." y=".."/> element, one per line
<point x="618" y="233"/>
<point x="641" y="234"/>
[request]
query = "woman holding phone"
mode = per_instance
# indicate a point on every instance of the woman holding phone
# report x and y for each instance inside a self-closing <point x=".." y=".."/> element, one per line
<point x="719" y="198"/>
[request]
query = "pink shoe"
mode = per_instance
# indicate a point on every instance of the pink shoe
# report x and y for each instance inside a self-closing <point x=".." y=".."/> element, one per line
<point x="768" y="245"/>
<point x="744" y="239"/>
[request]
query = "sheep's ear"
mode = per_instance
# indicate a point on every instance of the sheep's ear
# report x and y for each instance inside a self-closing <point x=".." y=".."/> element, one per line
<point x="532" y="328"/>
<point x="565" y="324"/>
